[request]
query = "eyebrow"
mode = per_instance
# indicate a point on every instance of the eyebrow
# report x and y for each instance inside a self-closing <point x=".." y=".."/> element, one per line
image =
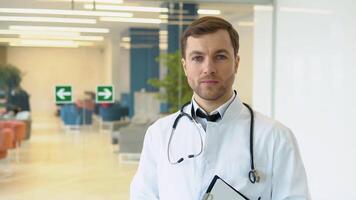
<point x="222" y="51"/>
<point x="195" y="52"/>
<point x="201" y="53"/>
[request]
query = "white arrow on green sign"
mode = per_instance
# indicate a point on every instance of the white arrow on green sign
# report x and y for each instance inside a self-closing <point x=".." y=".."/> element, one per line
<point x="105" y="94"/>
<point x="63" y="94"/>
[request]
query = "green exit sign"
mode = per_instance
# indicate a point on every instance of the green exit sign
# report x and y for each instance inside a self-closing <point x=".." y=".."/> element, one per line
<point x="63" y="94"/>
<point x="105" y="94"/>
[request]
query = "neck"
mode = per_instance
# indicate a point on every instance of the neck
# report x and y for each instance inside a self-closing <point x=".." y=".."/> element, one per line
<point x="210" y="105"/>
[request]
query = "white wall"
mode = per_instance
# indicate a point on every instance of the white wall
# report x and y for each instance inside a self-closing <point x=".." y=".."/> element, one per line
<point x="262" y="59"/>
<point x="83" y="68"/>
<point x="315" y="88"/>
<point x="244" y="77"/>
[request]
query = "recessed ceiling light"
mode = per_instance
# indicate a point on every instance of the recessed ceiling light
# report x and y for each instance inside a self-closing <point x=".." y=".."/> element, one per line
<point x="208" y="12"/>
<point x="87" y="1"/>
<point x="48" y="19"/>
<point x="55" y="28"/>
<point x="126" y="8"/>
<point x="84" y="38"/>
<point x="132" y="20"/>
<point x="49" y="33"/>
<point x="65" y="12"/>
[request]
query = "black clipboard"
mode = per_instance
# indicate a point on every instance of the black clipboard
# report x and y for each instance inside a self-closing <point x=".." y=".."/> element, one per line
<point x="221" y="190"/>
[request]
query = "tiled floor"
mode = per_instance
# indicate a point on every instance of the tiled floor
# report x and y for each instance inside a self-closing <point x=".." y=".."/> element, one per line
<point x="55" y="164"/>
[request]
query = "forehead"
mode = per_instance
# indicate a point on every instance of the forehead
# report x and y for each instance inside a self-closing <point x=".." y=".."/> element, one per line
<point x="209" y="43"/>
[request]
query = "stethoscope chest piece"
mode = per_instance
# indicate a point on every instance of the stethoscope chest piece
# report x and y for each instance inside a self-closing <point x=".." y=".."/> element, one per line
<point x="254" y="176"/>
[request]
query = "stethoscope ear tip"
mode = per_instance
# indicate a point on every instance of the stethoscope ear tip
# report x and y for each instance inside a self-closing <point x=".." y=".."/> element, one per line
<point x="180" y="160"/>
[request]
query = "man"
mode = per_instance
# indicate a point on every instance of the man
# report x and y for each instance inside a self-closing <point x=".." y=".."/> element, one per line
<point x="218" y="145"/>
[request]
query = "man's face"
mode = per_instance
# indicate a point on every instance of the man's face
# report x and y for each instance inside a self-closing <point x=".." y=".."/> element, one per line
<point x="210" y="65"/>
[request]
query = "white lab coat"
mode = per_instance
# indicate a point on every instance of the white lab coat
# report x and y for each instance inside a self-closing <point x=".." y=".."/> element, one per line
<point x="226" y="154"/>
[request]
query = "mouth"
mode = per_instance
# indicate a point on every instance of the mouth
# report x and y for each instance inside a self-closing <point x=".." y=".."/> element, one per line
<point x="209" y="81"/>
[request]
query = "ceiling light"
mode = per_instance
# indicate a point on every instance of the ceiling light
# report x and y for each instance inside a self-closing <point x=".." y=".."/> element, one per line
<point x="65" y="12"/>
<point x="132" y="20"/>
<point x="208" y="12"/>
<point x="19" y="44"/>
<point x="126" y="39"/>
<point x="45" y="43"/>
<point x="80" y="43"/>
<point x="64" y="29"/>
<point x="47" y="19"/>
<point x="49" y="43"/>
<point x="87" y="1"/>
<point x="306" y="10"/>
<point x="126" y="8"/>
<point x="3" y="40"/>
<point x="85" y="38"/>
<point x="47" y="33"/>
<point x="162" y="16"/>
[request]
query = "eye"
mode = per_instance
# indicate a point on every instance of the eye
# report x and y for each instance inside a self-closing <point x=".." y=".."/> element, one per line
<point x="198" y="58"/>
<point x="221" y="57"/>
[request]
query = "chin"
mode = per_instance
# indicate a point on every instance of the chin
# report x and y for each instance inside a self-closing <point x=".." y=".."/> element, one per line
<point x="210" y="94"/>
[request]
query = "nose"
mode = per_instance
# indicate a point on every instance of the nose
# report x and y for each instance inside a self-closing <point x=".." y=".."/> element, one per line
<point x="209" y="67"/>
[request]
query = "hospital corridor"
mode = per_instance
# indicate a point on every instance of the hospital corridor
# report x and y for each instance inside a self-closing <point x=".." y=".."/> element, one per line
<point x="177" y="99"/>
<point x="66" y="165"/>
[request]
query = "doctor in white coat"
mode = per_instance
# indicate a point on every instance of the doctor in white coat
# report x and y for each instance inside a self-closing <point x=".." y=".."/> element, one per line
<point x="219" y="136"/>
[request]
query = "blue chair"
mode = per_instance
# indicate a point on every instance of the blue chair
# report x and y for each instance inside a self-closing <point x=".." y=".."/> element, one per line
<point x="113" y="112"/>
<point x="72" y="115"/>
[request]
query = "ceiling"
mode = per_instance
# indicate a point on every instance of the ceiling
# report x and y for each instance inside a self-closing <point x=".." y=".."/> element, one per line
<point x="230" y="11"/>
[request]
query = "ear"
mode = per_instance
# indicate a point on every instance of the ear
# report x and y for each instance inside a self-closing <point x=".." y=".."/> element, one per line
<point x="184" y="66"/>
<point x="237" y="62"/>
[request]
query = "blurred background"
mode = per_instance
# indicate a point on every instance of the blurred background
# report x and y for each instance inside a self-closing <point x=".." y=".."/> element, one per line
<point x="297" y="66"/>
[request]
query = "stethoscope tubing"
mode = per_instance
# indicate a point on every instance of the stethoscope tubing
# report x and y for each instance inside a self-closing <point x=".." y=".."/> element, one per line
<point x="183" y="114"/>
<point x="252" y="175"/>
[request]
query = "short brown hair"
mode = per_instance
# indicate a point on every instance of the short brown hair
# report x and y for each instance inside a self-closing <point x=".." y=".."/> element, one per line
<point x="206" y="25"/>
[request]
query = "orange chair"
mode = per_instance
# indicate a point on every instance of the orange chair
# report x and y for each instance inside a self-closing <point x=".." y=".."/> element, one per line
<point x="6" y="141"/>
<point x="19" y="130"/>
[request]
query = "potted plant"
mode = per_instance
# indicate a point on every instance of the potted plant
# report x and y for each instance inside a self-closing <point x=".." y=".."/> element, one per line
<point x="10" y="77"/>
<point x="176" y="90"/>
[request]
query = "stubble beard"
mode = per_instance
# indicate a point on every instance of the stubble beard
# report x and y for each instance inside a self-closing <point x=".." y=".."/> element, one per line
<point x="210" y="93"/>
<point x="213" y="93"/>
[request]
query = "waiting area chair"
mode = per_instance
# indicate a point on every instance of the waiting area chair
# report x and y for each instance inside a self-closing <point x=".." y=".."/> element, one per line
<point x="12" y="132"/>
<point x="74" y="116"/>
<point x="112" y="114"/>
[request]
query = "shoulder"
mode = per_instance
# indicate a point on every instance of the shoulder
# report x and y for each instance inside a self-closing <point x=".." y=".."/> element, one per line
<point x="269" y="123"/>
<point x="162" y="126"/>
<point x="272" y="129"/>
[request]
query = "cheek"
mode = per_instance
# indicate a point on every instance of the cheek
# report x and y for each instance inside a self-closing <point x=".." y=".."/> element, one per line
<point x="192" y="73"/>
<point x="190" y="79"/>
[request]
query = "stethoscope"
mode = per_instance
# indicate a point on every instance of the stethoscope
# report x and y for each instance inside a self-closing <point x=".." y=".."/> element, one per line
<point x="252" y="175"/>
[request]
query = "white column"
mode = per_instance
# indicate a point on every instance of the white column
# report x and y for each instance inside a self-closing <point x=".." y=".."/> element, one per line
<point x="117" y="65"/>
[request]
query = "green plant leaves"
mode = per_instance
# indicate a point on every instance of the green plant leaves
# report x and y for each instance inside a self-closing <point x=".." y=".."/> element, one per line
<point x="171" y="84"/>
<point x="10" y="76"/>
